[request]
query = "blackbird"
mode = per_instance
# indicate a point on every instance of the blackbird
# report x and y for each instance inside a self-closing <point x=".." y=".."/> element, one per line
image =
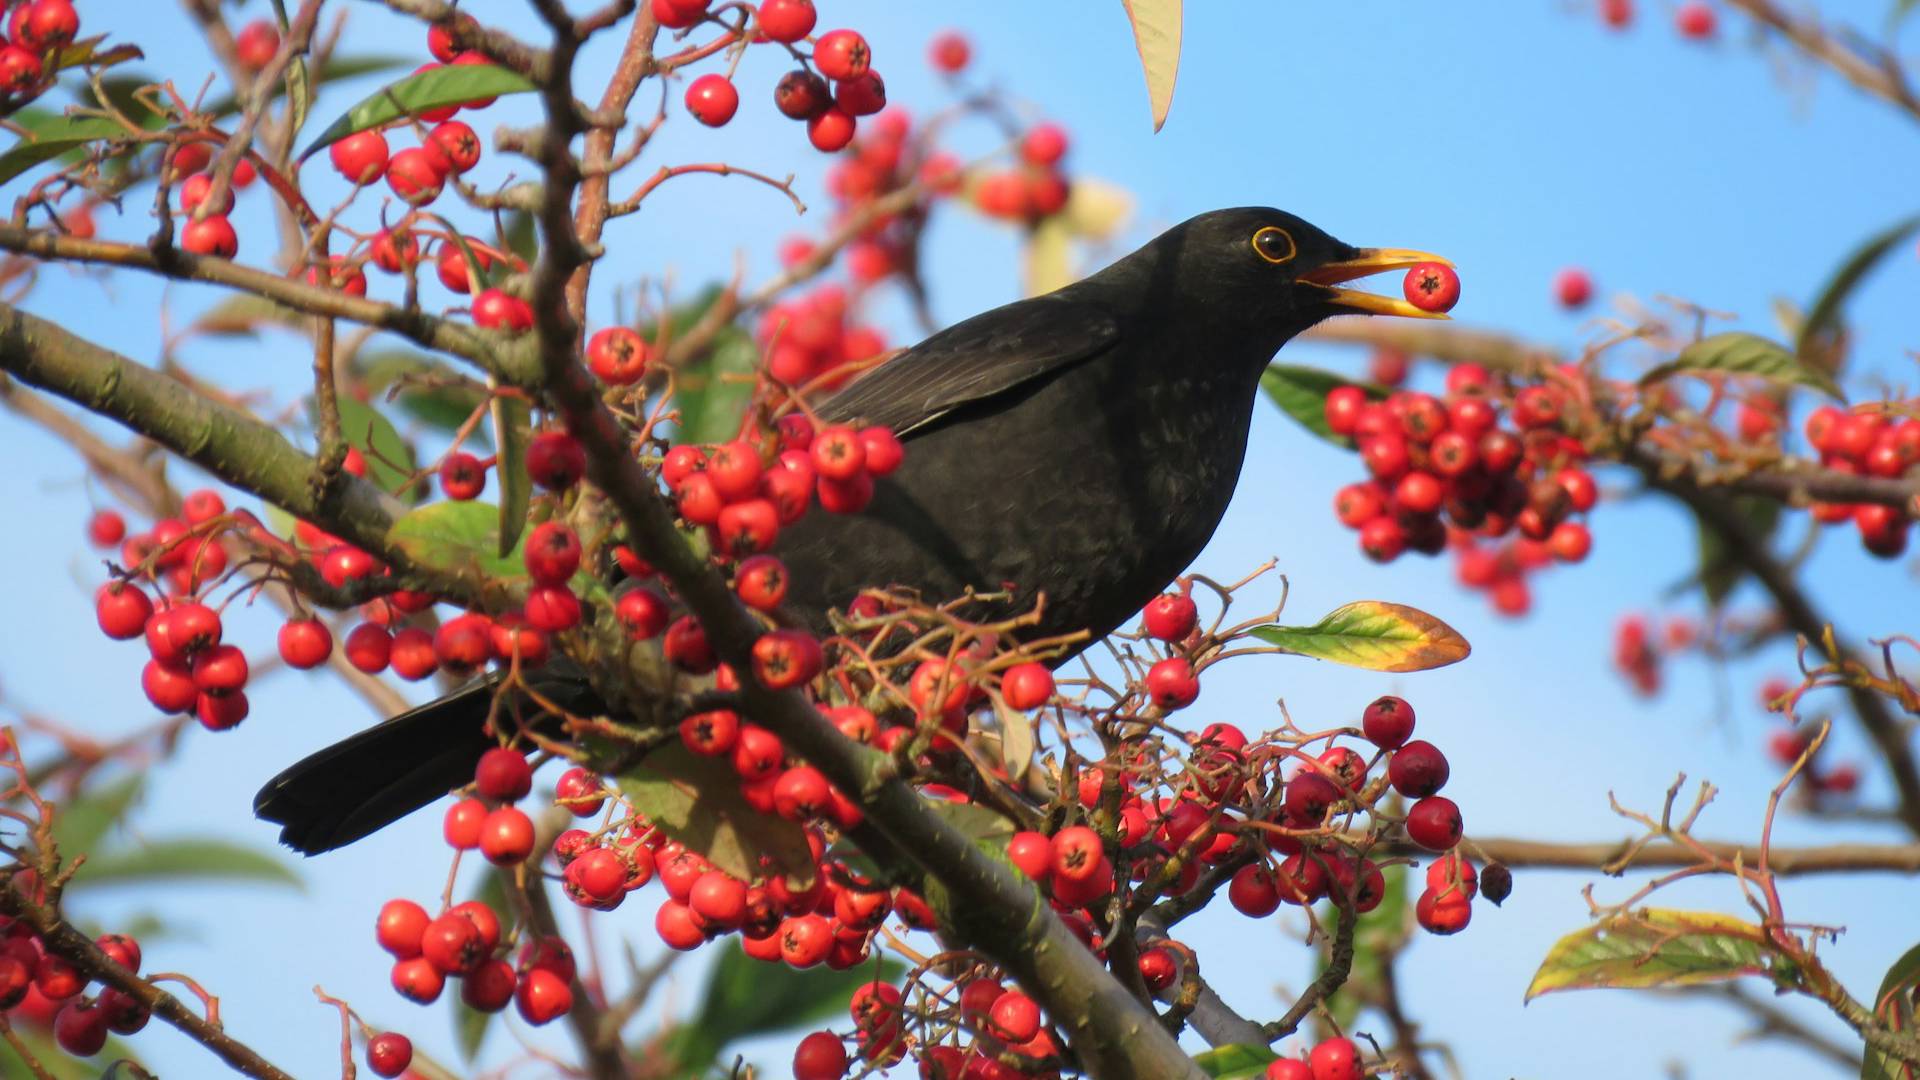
<point x="1078" y="447"/>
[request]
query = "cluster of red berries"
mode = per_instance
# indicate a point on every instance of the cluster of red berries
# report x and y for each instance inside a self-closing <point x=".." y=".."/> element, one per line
<point x="45" y="990"/>
<point x="36" y="29"/>
<point x="1441" y="465"/>
<point x="189" y="670"/>
<point x="1639" y="656"/>
<point x="1337" y="1058"/>
<point x="1033" y="188"/>
<point x="464" y="941"/>
<point x="1694" y="19"/>
<point x="834" y="86"/>
<point x="810" y="342"/>
<point x="1868" y="441"/>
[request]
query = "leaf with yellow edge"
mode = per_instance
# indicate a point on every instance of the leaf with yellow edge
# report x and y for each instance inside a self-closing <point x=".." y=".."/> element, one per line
<point x="1156" y="33"/>
<point x="1652" y="947"/>
<point x="1375" y="635"/>
<point x="1049" y="259"/>
<point x="696" y="800"/>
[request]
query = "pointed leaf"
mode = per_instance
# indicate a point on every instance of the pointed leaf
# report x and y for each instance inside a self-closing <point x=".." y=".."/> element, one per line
<point x="366" y="429"/>
<point x="1894" y="1006"/>
<point x="1652" y="947"/>
<point x="1156" y="33"/>
<point x="745" y="998"/>
<point x="446" y="405"/>
<point x="1825" y="312"/>
<point x="1016" y="740"/>
<point x="88" y="53"/>
<point x="1375" y="635"/>
<point x="1237" y="1061"/>
<point x="1049" y="257"/>
<point x="1719" y="573"/>
<point x="512" y="430"/>
<point x="52" y="136"/>
<point x="1738" y="353"/>
<point x="696" y="800"/>
<point x="458" y="537"/>
<point x="186" y="858"/>
<point x="417" y="93"/>
<point x="79" y="826"/>
<point x="1301" y="392"/>
<point x="713" y="391"/>
<point x="1096" y="209"/>
<point x="335" y="69"/>
<point x="242" y="315"/>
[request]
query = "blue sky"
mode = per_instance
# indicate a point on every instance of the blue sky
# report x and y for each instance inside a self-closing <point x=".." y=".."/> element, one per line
<point x="1515" y="138"/>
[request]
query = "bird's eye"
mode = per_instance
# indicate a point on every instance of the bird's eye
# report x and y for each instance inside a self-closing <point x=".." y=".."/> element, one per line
<point x="1274" y="244"/>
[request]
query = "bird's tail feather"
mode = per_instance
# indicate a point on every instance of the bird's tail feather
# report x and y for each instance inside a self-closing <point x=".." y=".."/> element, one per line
<point x="364" y="783"/>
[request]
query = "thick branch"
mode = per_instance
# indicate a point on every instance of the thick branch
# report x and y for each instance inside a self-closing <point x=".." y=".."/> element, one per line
<point x="1791" y="862"/>
<point x="417" y="326"/>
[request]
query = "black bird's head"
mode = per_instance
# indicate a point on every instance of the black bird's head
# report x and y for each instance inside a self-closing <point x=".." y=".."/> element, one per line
<point x="1254" y="267"/>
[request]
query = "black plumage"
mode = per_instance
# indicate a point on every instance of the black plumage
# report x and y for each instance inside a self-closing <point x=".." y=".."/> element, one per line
<point x="1081" y="445"/>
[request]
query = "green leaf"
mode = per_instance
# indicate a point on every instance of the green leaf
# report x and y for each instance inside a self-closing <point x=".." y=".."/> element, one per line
<point x="745" y="997"/>
<point x="1375" y="635"/>
<point x="1893" y="1006"/>
<point x="431" y="89"/>
<point x="52" y="136"/>
<point x="512" y="430"/>
<point x="1719" y="572"/>
<point x="1301" y="392"/>
<point x="242" y="315"/>
<point x="299" y="93"/>
<point x="519" y="236"/>
<point x="366" y="429"/>
<point x="696" y="800"/>
<point x="1156" y="33"/>
<point x="1238" y="1061"/>
<point x="445" y="406"/>
<point x="335" y="69"/>
<point x="1652" y="947"/>
<point x="713" y="391"/>
<point x="79" y="826"/>
<point x="1824" y="315"/>
<point x="1738" y="353"/>
<point x="88" y="53"/>
<point x="458" y="537"/>
<point x="186" y="858"/>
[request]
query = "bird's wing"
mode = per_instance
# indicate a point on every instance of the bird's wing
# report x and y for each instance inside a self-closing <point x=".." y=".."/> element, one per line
<point x="986" y="355"/>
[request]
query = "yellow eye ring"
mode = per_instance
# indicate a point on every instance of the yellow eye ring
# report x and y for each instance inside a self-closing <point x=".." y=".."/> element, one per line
<point x="1274" y="244"/>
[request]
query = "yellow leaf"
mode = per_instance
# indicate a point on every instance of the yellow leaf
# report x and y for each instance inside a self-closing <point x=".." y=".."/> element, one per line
<point x="1156" y="31"/>
<point x="1652" y="947"/>
<point x="1048" y="263"/>
<point x="1375" y="635"/>
<point x="1096" y="209"/>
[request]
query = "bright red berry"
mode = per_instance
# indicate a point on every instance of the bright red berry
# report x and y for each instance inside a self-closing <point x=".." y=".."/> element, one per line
<point x="712" y="99"/>
<point x="1432" y="287"/>
<point x="786" y="21"/>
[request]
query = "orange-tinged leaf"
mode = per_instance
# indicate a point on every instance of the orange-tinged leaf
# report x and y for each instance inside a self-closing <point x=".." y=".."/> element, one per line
<point x="696" y="800"/>
<point x="1893" y="1006"/>
<point x="1652" y="947"/>
<point x="1156" y="33"/>
<point x="1373" y="634"/>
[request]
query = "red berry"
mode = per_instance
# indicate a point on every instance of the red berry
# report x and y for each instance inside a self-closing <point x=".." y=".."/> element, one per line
<point x="1172" y="684"/>
<point x="255" y="44"/>
<point x="1014" y="1018"/>
<point x="821" y="1055"/>
<point x="950" y="52"/>
<point x="1032" y="853"/>
<point x="452" y="944"/>
<point x="617" y="354"/>
<point x="415" y="176"/>
<point x="503" y="775"/>
<point x="497" y="310"/>
<point x="1417" y="770"/>
<point x="456" y="144"/>
<point x="1252" y="892"/>
<point x="1434" y="823"/>
<point x="786" y="658"/>
<point x="1171" y="617"/>
<point x="831" y="130"/>
<point x="1451" y="872"/>
<point x="1077" y="853"/>
<point x="400" y="927"/>
<point x="802" y="95"/>
<point x="418" y="980"/>
<point x="642" y="612"/>
<point x="1617" y="14"/>
<point x="506" y="836"/>
<point x="122" y="610"/>
<point x="1695" y="19"/>
<point x="712" y="99"/>
<point x="220" y="669"/>
<point x="1026" y="686"/>
<point x="542" y="996"/>
<point x="785" y="21"/>
<point x="1343" y="407"/>
<point x="81" y="1028"/>
<point x="552" y="553"/>
<point x="1572" y="287"/>
<point x="1388" y="722"/>
<point x="1432" y="287"/>
<point x="211" y="236"/>
<point x="389" y="1053"/>
<point x="761" y="581"/>
<point x="555" y="460"/>
<point x="1335" y="1059"/>
<point x="841" y="55"/>
<point x="106" y="528"/>
<point x="360" y="157"/>
<point x="1443" y="912"/>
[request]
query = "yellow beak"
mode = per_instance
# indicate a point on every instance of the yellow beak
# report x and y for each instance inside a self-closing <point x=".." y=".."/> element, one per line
<point x="1372" y="261"/>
